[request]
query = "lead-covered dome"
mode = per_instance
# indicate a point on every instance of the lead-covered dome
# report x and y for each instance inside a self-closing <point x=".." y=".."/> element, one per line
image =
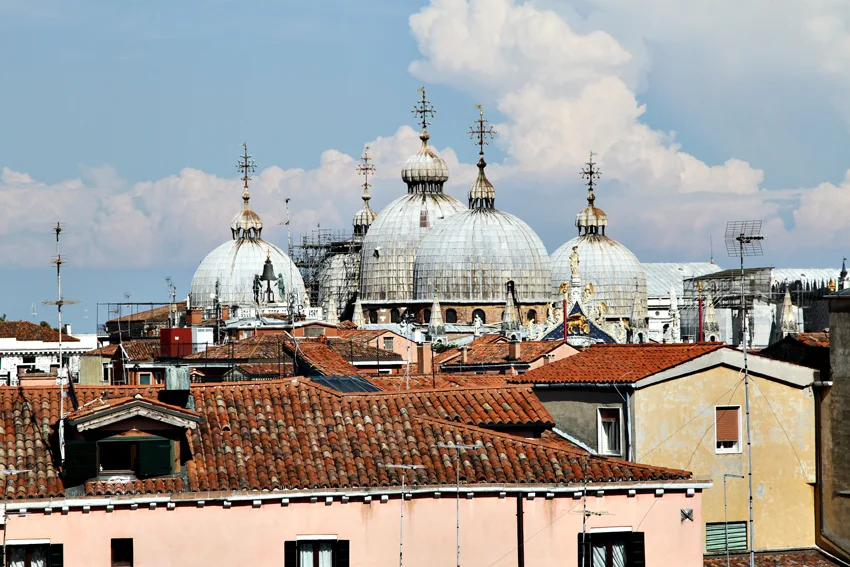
<point x="616" y="277"/>
<point x="389" y="248"/>
<point x="473" y="254"/>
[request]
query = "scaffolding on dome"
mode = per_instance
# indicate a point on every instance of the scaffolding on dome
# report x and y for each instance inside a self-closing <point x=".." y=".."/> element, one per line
<point x="328" y="260"/>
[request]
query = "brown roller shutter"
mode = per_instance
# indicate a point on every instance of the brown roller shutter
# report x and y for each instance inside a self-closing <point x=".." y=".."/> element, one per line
<point x="727" y="424"/>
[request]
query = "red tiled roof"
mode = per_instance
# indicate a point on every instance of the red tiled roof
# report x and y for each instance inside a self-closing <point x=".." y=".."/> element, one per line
<point x="807" y="558"/>
<point x="264" y="347"/>
<point x="454" y="351"/>
<point x="496" y="353"/>
<point x="440" y="380"/>
<point x="356" y="351"/>
<point x="141" y="350"/>
<point x="620" y="364"/>
<point x="265" y="369"/>
<point x="106" y="351"/>
<point x="321" y="357"/>
<point x="27" y="331"/>
<point x="101" y="404"/>
<point x="813" y="339"/>
<point x="155" y="315"/>
<point x="360" y="335"/>
<point x="291" y="434"/>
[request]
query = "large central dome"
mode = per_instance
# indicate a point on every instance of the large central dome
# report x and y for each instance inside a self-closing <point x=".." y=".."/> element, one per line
<point x="389" y="248"/>
<point x="472" y="255"/>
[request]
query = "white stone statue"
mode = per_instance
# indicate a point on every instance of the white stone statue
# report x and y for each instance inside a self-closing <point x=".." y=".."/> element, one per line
<point x="476" y="324"/>
<point x="574" y="262"/>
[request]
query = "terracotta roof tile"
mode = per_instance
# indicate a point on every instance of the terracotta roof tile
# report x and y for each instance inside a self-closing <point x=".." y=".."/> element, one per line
<point x="155" y="315"/>
<point x="813" y="339"/>
<point x="289" y="434"/>
<point x="107" y="351"/>
<point x="493" y="352"/>
<point x="615" y="363"/>
<point x="439" y="380"/>
<point x="141" y="350"/>
<point x="100" y="404"/>
<point x="27" y="331"/>
<point x="357" y="351"/>
<point x="360" y="335"/>
<point x="807" y="558"/>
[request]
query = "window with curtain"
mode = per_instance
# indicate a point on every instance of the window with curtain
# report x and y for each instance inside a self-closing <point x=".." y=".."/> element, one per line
<point x="388" y="343"/>
<point x="42" y="555"/>
<point x="316" y="553"/>
<point x="727" y="428"/>
<point x="611" y="549"/>
<point x="610" y="431"/>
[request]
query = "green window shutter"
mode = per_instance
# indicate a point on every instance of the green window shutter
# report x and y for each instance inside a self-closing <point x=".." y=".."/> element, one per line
<point x="290" y="554"/>
<point x="57" y="555"/>
<point x="341" y="558"/>
<point x="715" y="537"/>
<point x="583" y="550"/>
<point x="80" y="462"/>
<point x="155" y="457"/>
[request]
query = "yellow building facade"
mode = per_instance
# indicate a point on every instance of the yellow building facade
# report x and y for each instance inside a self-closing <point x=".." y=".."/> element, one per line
<point x="682" y="419"/>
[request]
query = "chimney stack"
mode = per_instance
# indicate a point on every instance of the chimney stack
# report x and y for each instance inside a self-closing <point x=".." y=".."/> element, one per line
<point x="194" y="317"/>
<point x="225" y="312"/>
<point x="514" y="350"/>
<point x="424" y="357"/>
<point x="464" y="351"/>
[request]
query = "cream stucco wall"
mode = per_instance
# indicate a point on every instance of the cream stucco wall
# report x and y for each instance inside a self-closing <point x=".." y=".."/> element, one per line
<point x="243" y="535"/>
<point x="675" y="428"/>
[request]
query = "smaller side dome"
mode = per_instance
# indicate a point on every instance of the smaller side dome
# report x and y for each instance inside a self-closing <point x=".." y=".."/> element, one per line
<point x="364" y="217"/>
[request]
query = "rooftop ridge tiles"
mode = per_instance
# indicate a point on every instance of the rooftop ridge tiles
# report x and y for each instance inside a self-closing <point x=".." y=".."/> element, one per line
<point x="456" y="389"/>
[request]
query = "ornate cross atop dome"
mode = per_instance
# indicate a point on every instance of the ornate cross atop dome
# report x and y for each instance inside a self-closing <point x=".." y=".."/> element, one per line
<point x="482" y="194"/>
<point x="425" y="171"/>
<point x="364" y="217"/>
<point x="246" y="223"/>
<point x="591" y="220"/>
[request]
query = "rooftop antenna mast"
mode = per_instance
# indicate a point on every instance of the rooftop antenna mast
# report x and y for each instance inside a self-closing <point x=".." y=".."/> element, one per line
<point x="291" y="302"/>
<point x="61" y="372"/>
<point x="743" y="238"/>
<point x="457" y="447"/>
<point x="172" y="295"/>
<point x="403" y="469"/>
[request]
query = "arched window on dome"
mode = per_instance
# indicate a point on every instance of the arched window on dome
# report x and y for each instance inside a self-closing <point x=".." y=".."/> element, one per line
<point x="395" y="316"/>
<point x="531" y="316"/>
<point x="426" y="316"/>
<point x="373" y="316"/>
<point x="480" y="314"/>
<point x="640" y="338"/>
<point x="451" y="316"/>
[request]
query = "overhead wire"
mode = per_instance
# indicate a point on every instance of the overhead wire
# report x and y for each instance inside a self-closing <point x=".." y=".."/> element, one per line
<point x="782" y="427"/>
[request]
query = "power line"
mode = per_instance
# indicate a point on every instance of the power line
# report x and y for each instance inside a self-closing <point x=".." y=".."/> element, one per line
<point x="782" y="427"/>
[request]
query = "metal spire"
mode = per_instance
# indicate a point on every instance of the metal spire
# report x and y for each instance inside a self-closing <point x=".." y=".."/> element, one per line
<point x="246" y="166"/>
<point x="591" y="173"/>
<point x="482" y="195"/>
<point x="424" y="110"/>
<point x="482" y="130"/>
<point x="366" y="168"/>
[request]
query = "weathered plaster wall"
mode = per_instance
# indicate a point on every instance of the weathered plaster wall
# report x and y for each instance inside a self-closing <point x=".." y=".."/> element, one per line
<point x="242" y="535"/>
<point x="574" y="410"/>
<point x="835" y="432"/>
<point x="675" y="428"/>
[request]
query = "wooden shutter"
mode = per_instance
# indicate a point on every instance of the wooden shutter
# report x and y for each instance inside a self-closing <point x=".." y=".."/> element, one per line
<point x="715" y="537"/>
<point x="726" y="420"/>
<point x="80" y="462"/>
<point x="290" y="554"/>
<point x="57" y="555"/>
<point x="635" y="550"/>
<point x="2" y="556"/>
<point x="155" y="457"/>
<point x="341" y="554"/>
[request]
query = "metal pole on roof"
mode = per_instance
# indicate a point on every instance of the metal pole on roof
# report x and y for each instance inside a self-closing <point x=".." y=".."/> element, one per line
<point x="725" y="514"/>
<point x="457" y="447"/>
<point x="403" y="468"/>
<point x="743" y="238"/>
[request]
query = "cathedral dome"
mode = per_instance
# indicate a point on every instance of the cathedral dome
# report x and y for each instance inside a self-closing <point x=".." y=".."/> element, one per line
<point x="389" y="248"/>
<point x="614" y="273"/>
<point x="228" y="272"/>
<point x="473" y="254"/>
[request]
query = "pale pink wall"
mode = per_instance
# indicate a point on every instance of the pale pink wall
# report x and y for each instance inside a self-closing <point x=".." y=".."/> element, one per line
<point x="562" y="351"/>
<point x="188" y="536"/>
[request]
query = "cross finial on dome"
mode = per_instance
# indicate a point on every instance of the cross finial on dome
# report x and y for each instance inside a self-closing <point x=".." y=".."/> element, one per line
<point x="481" y="129"/>
<point x="423" y="110"/>
<point x="246" y="166"/>
<point x="482" y="195"/>
<point x="366" y="168"/>
<point x="591" y="173"/>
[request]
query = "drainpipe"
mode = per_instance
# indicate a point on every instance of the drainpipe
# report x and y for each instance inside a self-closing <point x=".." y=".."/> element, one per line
<point x="520" y="537"/>
<point x="631" y="449"/>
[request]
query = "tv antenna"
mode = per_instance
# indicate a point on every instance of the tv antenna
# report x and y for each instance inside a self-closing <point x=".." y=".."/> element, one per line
<point x="172" y="296"/>
<point x="744" y="238"/>
<point x="61" y="373"/>
<point x="403" y="468"/>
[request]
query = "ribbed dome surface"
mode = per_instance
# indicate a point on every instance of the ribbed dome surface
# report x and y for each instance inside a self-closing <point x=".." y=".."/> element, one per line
<point x="425" y="166"/>
<point x="363" y="219"/>
<point x="338" y="273"/>
<point x="473" y="254"/>
<point x="394" y="235"/>
<point x="246" y="224"/>
<point x="234" y="265"/>
<point x="612" y="269"/>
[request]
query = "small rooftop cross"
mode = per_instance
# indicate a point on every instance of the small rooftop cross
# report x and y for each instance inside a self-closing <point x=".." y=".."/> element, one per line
<point x="591" y="173"/>
<point x="481" y="129"/>
<point x="366" y="168"/>
<point x="423" y="110"/>
<point x="246" y="166"/>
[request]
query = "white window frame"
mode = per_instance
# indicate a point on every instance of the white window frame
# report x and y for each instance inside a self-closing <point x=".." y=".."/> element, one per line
<point x="391" y="342"/>
<point x="600" y="442"/>
<point x="738" y="448"/>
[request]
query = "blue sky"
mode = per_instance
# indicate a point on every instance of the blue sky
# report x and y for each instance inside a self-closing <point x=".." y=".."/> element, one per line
<point x="123" y="120"/>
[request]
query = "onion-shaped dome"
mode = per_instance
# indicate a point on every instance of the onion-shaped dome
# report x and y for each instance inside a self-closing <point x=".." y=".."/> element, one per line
<point x="389" y="248"/>
<point x="612" y="270"/>
<point x="473" y="254"/>
<point x="227" y="273"/>
<point x="363" y="220"/>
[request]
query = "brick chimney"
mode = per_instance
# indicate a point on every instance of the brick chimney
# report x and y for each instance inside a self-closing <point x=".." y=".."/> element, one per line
<point x="194" y="317"/>
<point x="514" y="350"/>
<point x="424" y="357"/>
<point x="225" y="312"/>
<point x="464" y="351"/>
